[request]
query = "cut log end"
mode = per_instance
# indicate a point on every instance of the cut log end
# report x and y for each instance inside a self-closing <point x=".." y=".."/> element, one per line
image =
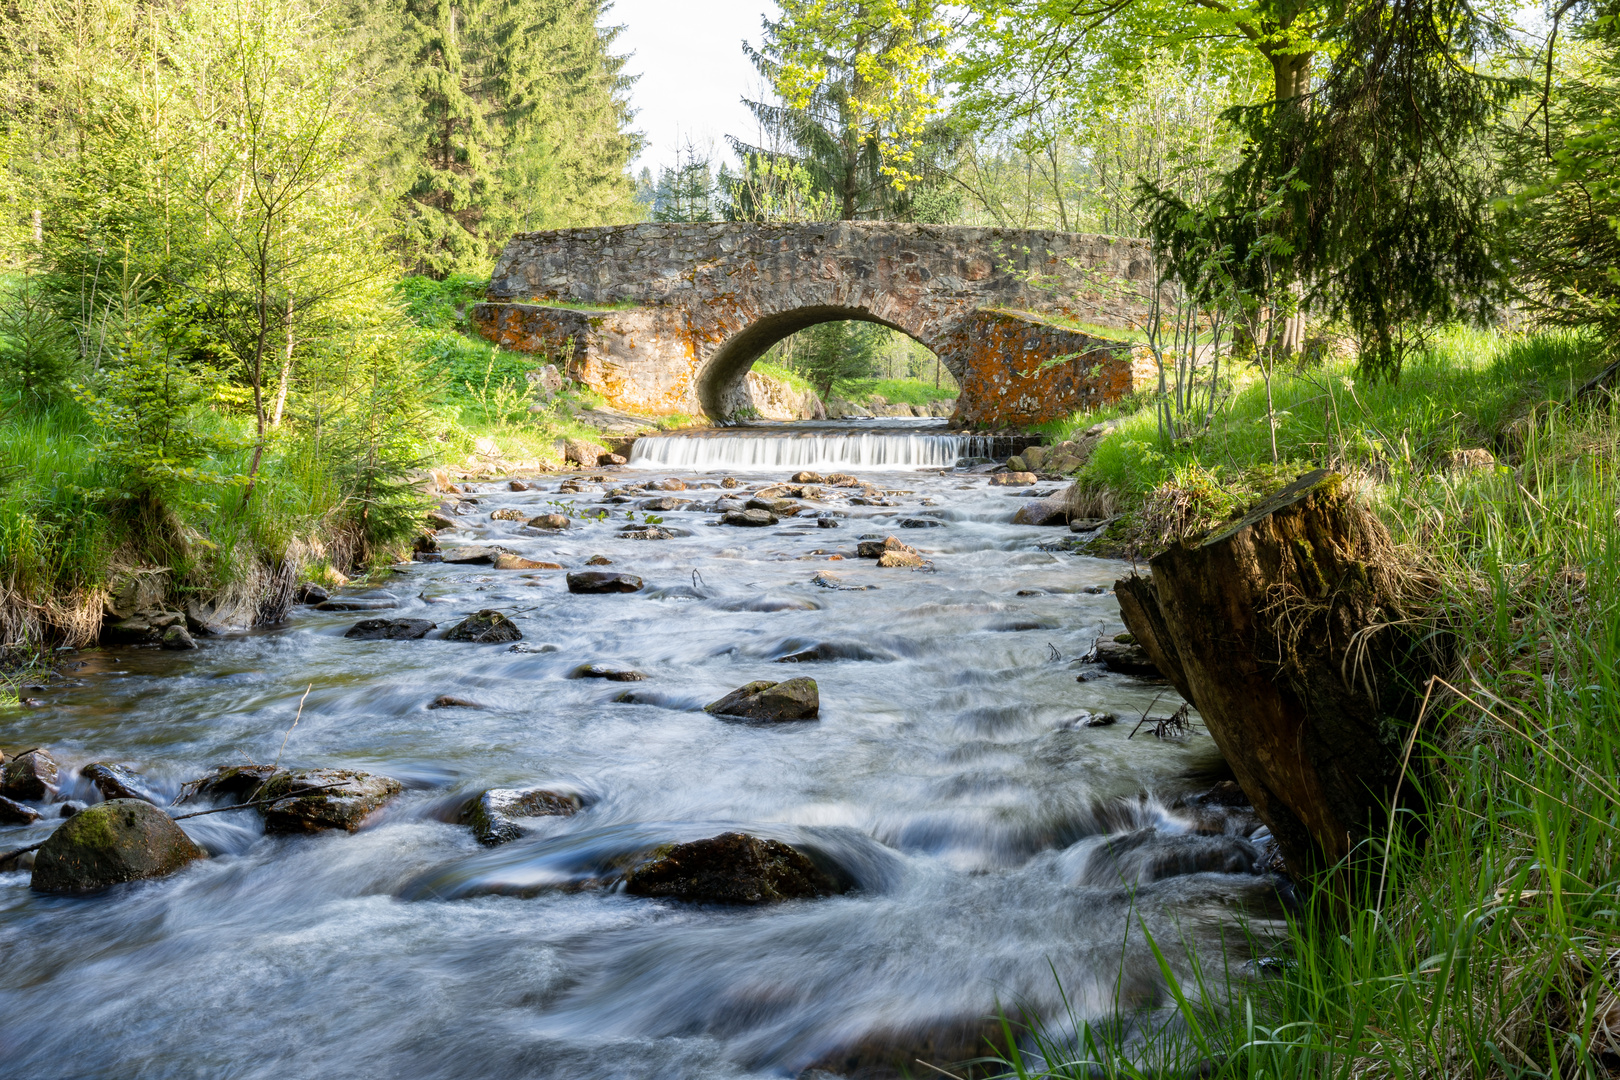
<point x="1289" y="631"/>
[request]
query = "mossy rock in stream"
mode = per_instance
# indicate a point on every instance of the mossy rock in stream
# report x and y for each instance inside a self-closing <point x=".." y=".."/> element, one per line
<point x="733" y="868"/>
<point x="487" y="627"/>
<point x="112" y="842"/>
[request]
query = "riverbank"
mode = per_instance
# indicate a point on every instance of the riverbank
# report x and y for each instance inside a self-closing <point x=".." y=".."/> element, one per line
<point x="1485" y="949"/>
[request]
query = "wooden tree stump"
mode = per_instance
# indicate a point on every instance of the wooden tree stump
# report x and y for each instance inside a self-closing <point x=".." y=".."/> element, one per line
<point x="1290" y="632"/>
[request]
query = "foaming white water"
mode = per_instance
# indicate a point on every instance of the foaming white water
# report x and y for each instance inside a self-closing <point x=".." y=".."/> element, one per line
<point x="888" y="451"/>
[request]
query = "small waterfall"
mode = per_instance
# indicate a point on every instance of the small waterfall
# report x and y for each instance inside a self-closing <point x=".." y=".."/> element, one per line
<point x="820" y="451"/>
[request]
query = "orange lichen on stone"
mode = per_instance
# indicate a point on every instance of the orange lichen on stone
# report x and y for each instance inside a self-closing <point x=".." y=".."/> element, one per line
<point x="711" y="297"/>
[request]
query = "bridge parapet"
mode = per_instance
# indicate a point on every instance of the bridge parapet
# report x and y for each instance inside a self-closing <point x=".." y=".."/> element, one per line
<point x="673" y="315"/>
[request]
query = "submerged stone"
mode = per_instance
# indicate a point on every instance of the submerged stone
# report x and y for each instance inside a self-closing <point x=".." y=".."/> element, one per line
<point x="506" y="561"/>
<point x="111" y="842"/>
<point x="606" y="671"/>
<point x="733" y="868"/>
<point x="754" y="518"/>
<point x="470" y="555"/>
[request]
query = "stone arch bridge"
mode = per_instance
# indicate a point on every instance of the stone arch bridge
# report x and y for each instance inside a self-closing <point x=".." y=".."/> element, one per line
<point x="668" y="318"/>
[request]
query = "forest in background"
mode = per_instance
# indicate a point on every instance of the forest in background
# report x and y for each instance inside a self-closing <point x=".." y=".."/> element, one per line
<point x="217" y="364"/>
<point x="238" y="240"/>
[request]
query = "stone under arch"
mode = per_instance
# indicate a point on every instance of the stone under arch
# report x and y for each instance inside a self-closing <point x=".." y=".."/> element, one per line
<point x="667" y="318"/>
<point x="722" y="385"/>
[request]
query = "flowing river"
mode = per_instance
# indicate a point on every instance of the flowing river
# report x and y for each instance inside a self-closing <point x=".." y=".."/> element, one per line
<point x="1002" y="853"/>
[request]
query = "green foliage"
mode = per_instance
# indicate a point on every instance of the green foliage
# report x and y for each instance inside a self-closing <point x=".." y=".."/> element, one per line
<point x="38" y="354"/>
<point x="440" y="304"/>
<point x="859" y="129"/>
<point x="1461" y="394"/>
<point x="518" y="123"/>
<point x="782" y="374"/>
<point x="1485" y="950"/>
<point x="1565" y="160"/>
<point x="150" y="406"/>
<point x="894" y="391"/>
<point x="828" y="352"/>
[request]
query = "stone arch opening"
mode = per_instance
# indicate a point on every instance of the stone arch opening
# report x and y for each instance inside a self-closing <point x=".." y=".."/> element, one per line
<point x="723" y="383"/>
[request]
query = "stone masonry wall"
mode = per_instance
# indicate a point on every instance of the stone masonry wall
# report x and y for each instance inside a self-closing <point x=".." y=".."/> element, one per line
<point x="710" y="298"/>
<point x="1019" y="370"/>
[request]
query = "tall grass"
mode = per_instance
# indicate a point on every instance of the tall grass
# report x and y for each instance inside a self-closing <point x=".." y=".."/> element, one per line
<point x="1486" y="944"/>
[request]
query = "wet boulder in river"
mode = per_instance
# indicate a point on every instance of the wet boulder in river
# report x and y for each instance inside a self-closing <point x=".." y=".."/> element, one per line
<point x="606" y="671"/>
<point x="753" y="518"/>
<point x="583" y="452"/>
<point x="114" y="781"/>
<point x="903" y="559"/>
<point x="508" y="561"/>
<point x="311" y="800"/>
<point x="1012" y="479"/>
<point x="390" y="629"/>
<point x="508" y="513"/>
<point x="664" y="504"/>
<point x="876" y="549"/>
<point x="795" y="699"/>
<point x="732" y="868"/>
<point x="142" y="628"/>
<point x="470" y="555"/>
<point x="549" y="522"/>
<point x="1052" y="510"/>
<point x="15" y="813"/>
<point x="487" y="627"/>
<point x="808" y="477"/>
<point x="602" y="581"/>
<point x="111" y="842"/>
<point x="648" y="532"/>
<point x="29" y="776"/>
<point x="493" y="814"/>
<point x="1127" y="658"/>
<point x="228" y="783"/>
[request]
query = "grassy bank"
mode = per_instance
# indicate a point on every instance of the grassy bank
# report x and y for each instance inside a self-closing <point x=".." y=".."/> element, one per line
<point x="896" y="391"/>
<point x="1492" y="948"/>
<point x="147" y="470"/>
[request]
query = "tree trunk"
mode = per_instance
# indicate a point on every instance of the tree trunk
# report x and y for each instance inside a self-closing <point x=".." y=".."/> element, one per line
<point x="1287" y="631"/>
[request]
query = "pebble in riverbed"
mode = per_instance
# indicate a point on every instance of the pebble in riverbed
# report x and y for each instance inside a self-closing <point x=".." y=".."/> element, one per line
<point x="752" y="518"/>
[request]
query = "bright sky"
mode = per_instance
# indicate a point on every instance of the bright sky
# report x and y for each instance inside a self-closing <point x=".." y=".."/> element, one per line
<point x="693" y="71"/>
